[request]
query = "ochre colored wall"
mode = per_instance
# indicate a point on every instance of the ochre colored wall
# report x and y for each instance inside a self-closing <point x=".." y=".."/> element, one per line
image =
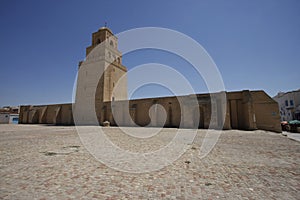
<point x="246" y="110"/>
<point x="47" y="114"/>
<point x="266" y="112"/>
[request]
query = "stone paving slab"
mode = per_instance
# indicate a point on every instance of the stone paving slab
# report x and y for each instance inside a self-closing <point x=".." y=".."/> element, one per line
<point x="293" y="136"/>
<point x="50" y="162"/>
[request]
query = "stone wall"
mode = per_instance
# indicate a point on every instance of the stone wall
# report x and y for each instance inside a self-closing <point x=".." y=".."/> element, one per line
<point x="59" y="114"/>
<point x="245" y="110"/>
<point x="266" y="112"/>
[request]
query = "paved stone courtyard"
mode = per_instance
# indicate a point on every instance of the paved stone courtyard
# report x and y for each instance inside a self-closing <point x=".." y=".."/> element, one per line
<point x="50" y="162"/>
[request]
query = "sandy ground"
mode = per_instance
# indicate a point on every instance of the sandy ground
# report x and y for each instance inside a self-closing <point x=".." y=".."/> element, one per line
<point x="50" y="162"/>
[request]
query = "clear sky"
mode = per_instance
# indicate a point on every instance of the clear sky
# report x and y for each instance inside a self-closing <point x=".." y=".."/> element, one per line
<point x="255" y="44"/>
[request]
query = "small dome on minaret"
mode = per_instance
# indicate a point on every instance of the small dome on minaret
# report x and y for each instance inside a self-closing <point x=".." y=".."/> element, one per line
<point x="104" y="28"/>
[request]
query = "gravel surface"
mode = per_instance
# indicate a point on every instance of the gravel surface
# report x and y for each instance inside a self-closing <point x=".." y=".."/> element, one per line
<point x="50" y="162"/>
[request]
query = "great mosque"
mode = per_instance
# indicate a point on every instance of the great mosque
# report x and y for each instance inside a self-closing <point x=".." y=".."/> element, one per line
<point x="245" y="110"/>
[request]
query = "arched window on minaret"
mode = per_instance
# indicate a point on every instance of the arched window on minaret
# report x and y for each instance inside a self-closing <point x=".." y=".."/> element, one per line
<point x="111" y="43"/>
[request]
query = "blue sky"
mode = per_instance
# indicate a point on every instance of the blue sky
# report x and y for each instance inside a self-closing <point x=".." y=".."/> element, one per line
<point x="255" y="44"/>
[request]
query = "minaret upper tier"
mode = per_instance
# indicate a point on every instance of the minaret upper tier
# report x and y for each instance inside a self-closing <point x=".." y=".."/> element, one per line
<point x="103" y="34"/>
